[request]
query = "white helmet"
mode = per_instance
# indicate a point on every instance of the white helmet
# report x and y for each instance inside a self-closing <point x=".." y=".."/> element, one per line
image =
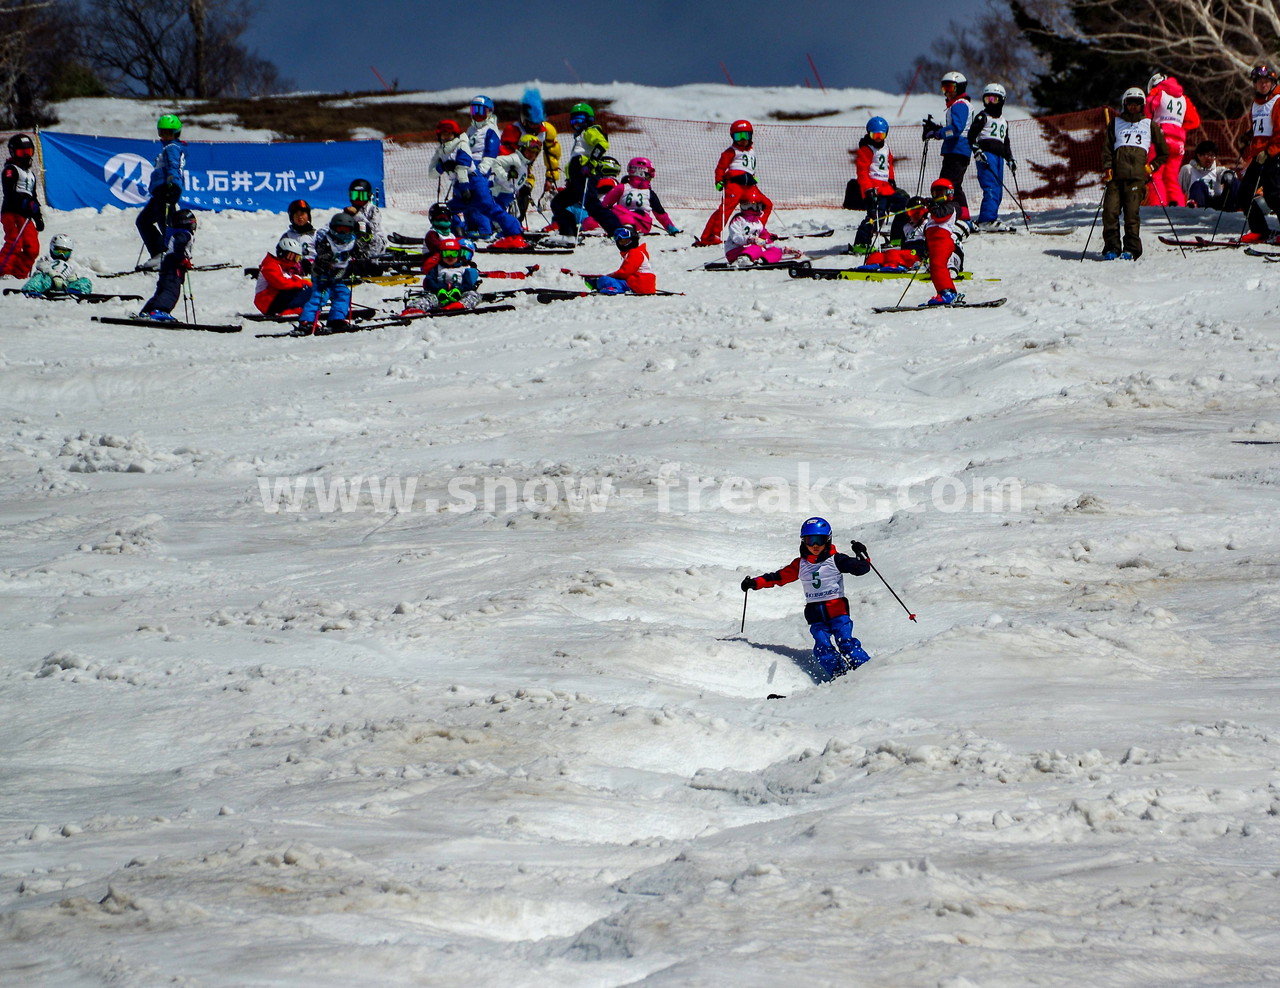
<point x="994" y="89"/>
<point x="63" y="243"/>
<point x="1133" y="92"/>
<point x="1155" y="80"/>
<point x="960" y="81"/>
<point x="290" y="244"/>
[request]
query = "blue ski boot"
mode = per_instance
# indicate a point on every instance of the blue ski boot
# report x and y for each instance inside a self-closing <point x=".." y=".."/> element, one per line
<point x="830" y="660"/>
<point x="852" y="652"/>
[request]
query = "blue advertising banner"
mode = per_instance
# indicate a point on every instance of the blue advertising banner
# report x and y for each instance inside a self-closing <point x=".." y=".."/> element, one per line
<point x="114" y="171"/>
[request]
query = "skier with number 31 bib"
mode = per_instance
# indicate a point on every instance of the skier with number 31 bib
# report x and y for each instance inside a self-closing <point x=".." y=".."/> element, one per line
<point x="821" y="570"/>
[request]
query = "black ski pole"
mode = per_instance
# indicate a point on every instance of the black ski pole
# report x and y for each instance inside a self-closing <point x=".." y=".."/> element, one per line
<point x="1169" y="219"/>
<point x="891" y="590"/>
<point x="1096" y="214"/>
<point x="743" y="629"/>
<point x="1018" y="197"/>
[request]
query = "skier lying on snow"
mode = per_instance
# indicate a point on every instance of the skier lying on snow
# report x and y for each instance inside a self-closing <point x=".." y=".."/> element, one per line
<point x="826" y="607"/>
<point x="635" y="273"/>
<point x="747" y="242"/>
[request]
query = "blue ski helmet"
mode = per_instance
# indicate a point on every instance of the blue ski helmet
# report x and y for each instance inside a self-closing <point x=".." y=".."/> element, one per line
<point x="482" y="104"/>
<point x="877" y="125"/>
<point x="816" y="526"/>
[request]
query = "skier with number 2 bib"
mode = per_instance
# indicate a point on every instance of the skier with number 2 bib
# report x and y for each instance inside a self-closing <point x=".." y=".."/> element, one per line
<point x="822" y="570"/>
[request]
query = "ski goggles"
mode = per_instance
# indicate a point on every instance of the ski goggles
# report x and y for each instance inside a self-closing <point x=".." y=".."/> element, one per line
<point x="360" y="195"/>
<point x="60" y="253"/>
<point x="816" y="540"/>
<point x="479" y="110"/>
<point x="578" y="120"/>
<point x="878" y="135"/>
<point x="741" y="135"/>
<point x="948" y="87"/>
<point x="451" y="255"/>
<point x="991" y="99"/>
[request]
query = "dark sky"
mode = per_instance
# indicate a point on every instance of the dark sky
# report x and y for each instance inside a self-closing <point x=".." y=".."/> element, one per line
<point x="330" y="45"/>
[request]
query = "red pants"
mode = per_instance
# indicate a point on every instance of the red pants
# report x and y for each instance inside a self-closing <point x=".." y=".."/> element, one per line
<point x="894" y="257"/>
<point x="21" y="246"/>
<point x="733" y="192"/>
<point x="940" y="246"/>
<point x="1166" y="188"/>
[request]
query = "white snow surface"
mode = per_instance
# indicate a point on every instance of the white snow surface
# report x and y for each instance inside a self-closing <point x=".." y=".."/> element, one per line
<point x="528" y="746"/>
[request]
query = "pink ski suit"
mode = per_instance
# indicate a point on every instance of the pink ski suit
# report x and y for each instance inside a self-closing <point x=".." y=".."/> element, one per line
<point x="1176" y="115"/>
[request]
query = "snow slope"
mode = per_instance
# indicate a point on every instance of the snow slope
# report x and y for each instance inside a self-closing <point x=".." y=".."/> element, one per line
<point x="528" y="746"/>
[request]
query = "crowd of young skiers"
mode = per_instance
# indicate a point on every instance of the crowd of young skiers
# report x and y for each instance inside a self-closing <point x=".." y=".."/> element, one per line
<point x="487" y="178"/>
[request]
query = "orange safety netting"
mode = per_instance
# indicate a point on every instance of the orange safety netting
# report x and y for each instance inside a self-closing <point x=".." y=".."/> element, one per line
<point x="806" y="165"/>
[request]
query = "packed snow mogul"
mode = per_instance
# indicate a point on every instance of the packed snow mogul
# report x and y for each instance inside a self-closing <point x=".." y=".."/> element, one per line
<point x="370" y="240"/>
<point x="635" y="274"/>
<point x="55" y="274"/>
<point x="175" y="262"/>
<point x="1127" y="167"/>
<point x="747" y="242"/>
<point x="989" y="140"/>
<point x="331" y="276"/>
<point x="634" y="201"/>
<point x="873" y="187"/>
<point x="301" y="230"/>
<point x="533" y="123"/>
<point x="953" y="132"/>
<point x="20" y="209"/>
<point x="1262" y="177"/>
<point x="281" y="289"/>
<point x="821" y="571"/>
<point x="165" y="187"/>
<point x="943" y="232"/>
<point x="1173" y="112"/>
<point x="907" y="247"/>
<point x="590" y="147"/>
<point x="453" y="283"/>
<point x="735" y="176"/>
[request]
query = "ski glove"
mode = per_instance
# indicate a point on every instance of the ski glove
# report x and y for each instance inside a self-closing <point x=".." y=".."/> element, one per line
<point x="39" y="222"/>
<point x="859" y="549"/>
<point x="748" y="583"/>
<point x="169" y="192"/>
<point x="1106" y="176"/>
<point x="1013" y="165"/>
<point x="673" y="229"/>
<point x="980" y="155"/>
<point x="719" y="186"/>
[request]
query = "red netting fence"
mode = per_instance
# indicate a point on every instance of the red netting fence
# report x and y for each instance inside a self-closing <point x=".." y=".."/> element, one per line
<point x="805" y="165"/>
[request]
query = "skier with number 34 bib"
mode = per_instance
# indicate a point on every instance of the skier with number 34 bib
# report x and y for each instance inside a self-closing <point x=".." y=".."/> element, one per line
<point x="821" y="570"/>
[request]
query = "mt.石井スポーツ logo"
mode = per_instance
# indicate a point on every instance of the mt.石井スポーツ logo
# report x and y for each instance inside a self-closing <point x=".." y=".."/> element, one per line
<point x="128" y="174"/>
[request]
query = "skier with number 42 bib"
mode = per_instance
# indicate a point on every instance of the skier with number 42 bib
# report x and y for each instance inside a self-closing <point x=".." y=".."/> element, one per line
<point x="821" y="569"/>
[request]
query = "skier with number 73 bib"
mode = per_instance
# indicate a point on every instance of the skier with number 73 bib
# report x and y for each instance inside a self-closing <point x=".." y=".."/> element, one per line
<point x="821" y="570"/>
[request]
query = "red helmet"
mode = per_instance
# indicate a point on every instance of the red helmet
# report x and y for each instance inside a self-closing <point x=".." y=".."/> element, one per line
<point x="448" y="129"/>
<point x="942" y="189"/>
<point x="741" y="127"/>
<point x="752" y="202"/>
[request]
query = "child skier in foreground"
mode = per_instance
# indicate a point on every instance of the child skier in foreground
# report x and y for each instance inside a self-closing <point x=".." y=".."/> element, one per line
<point x="826" y="608"/>
<point x="747" y="242"/>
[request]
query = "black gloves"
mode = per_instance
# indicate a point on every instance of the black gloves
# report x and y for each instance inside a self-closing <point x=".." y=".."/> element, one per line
<point x="748" y="583"/>
<point x="872" y="198"/>
<point x="859" y="549"/>
<point x="169" y="192"/>
<point x="1013" y="165"/>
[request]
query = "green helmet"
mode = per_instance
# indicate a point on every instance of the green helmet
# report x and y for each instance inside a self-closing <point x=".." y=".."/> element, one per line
<point x="169" y="122"/>
<point x="582" y="108"/>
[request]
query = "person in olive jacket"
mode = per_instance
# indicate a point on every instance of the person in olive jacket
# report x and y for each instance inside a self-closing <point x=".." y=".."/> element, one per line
<point x="1126" y="172"/>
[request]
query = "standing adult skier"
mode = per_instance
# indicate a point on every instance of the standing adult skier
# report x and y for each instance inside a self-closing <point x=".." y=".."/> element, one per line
<point x="735" y="175"/>
<point x="989" y="141"/>
<point x="20" y="209"/>
<point x="954" y="134"/>
<point x="1262" y="177"/>
<point x="165" y="188"/>
<point x="1126" y="169"/>
<point x="1173" y="112"/>
<point x="821" y="570"/>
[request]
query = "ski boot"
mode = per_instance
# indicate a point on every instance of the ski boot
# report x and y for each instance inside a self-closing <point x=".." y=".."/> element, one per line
<point x="852" y="652"/>
<point x="157" y="315"/>
<point x="831" y="661"/>
<point x="946" y="297"/>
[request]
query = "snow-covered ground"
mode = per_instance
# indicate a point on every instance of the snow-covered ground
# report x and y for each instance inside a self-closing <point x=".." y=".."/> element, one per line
<point x="245" y="745"/>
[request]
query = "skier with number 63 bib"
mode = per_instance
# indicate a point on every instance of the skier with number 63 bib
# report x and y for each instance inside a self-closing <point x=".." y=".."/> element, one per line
<point x="821" y="570"/>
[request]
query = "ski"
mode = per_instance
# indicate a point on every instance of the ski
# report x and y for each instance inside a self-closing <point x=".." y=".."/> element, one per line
<point x="91" y="297"/>
<point x="1053" y="233"/>
<point x="1270" y="255"/>
<point x="1199" y="242"/>
<point x="157" y="324"/>
<point x="762" y="266"/>
<point x="402" y="320"/>
<point x="548" y="295"/>
<point x="803" y="270"/>
<point x="524" y="250"/>
<point x="358" y="312"/>
<point x="994" y="303"/>
<point x="198" y="267"/>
